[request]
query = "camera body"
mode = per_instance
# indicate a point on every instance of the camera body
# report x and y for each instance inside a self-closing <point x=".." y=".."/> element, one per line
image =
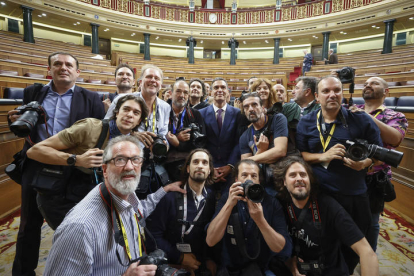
<point x="275" y="109"/>
<point x="159" y="148"/>
<point x="30" y="115"/>
<point x="313" y="267"/>
<point x="254" y="192"/>
<point x="158" y="258"/>
<point x="346" y="74"/>
<point x="266" y="132"/>
<point x="359" y="150"/>
<point x="198" y="139"/>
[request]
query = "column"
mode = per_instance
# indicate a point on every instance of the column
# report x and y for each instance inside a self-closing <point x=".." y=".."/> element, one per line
<point x="233" y="44"/>
<point x="325" y="45"/>
<point x="276" y="51"/>
<point x="389" y="28"/>
<point x="191" y="43"/>
<point x="27" y="24"/>
<point x="147" y="46"/>
<point x="95" y="38"/>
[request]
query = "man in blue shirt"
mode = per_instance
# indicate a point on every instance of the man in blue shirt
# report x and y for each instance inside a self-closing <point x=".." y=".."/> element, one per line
<point x="65" y="103"/>
<point x="262" y="224"/>
<point x="321" y="137"/>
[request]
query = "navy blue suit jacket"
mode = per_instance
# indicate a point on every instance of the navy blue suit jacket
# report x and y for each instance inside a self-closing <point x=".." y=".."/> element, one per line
<point x="224" y="145"/>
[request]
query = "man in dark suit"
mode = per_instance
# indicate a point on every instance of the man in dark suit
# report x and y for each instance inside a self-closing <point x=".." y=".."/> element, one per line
<point x="65" y="103"/>
<point x="333" y="58"/>
<point x="221" y="121"/>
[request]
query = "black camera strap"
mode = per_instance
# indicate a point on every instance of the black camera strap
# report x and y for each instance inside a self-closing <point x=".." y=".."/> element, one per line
<point x="240" y="239"/>
<point x="120" y="235"/>
<point x="297" y="222"/>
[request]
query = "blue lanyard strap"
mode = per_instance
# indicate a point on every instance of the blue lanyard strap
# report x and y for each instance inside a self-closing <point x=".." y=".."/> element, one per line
<point x="182" y="120"/>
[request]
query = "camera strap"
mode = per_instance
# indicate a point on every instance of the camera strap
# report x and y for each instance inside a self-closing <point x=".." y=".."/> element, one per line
<point x="120" y="234"/>
<point x="182" y="212"/>
<point x="297" y="222"/>
<point x="240" y="241"/>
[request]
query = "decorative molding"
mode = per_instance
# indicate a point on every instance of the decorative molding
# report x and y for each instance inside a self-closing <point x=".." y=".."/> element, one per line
<point x="252" y="16"/>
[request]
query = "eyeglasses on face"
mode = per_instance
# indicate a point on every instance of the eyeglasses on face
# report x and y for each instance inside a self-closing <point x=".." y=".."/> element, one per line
<point x="121" y="161"/>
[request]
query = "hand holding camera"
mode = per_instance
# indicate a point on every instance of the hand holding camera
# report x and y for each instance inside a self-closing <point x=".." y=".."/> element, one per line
<point x="184" y="135"/>
<point x="135" y="269"/>
<point x="146" y="137"/>
<point x="335" y="152"/>
<point x="90" y="159"/>
<point x="262" y="143"/>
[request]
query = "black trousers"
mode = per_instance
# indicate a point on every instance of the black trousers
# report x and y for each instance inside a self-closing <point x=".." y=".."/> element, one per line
<point x="358" y="208"/>
<point x="28" y="237"/>
<point x="54" y="208"/>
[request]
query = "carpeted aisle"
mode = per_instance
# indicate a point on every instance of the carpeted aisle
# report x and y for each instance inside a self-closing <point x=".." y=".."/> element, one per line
<point x="395" y="245"/>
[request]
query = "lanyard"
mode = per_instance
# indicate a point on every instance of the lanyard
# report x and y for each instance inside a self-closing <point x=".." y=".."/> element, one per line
<point x="377" y="114"/>
<point x="116" y="220"/>
<point x="254" y="144"/>
<point x="324" y="143"/>
<point x="183" y="232"/>
<point x="182" y="121"/>
<point x="124" y="234"/>
<point x="153" y="118"/>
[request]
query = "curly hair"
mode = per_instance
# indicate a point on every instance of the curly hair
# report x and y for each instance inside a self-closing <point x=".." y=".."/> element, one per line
<point x="279" y="172"/>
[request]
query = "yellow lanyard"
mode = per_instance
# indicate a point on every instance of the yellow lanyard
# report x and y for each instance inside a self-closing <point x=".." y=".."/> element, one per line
<point x="377" y="114"/>
<point x="153" y="119"/>
<point x="324" y="144"/>
<point x="124" y="234"/>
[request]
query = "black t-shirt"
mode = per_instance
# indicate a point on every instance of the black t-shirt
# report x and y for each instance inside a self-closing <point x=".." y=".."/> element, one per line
<point x="279" y="127"/>
<point x="337" y="227"/>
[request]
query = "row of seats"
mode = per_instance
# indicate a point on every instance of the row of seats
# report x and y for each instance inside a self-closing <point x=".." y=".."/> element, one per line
<point x="16" y="93"/>
<point x="400" y="104"/>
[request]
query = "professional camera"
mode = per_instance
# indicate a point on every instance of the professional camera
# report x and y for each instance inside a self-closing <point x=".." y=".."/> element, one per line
<point x="30" y="117"/>
<point x="275" y="109"/>
<point x="158" y="258"/>
<point x="360" y="150"/>
<point x="241" y="98"/>
<point x="313" y="267"/>
<point x="199" y="140"/>
<point x="266" y="132"/>
<point x="254" y="192"/>
<point x="346" y="74"/>
<point x="159" y="148"/>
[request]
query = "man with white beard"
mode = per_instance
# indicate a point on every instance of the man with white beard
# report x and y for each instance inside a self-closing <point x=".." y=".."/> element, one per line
<point x="104" y="232"/>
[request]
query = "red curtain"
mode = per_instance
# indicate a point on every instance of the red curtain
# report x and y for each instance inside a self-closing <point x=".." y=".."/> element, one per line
<point x="203" y="3"/>
<point x="222" y="3"/>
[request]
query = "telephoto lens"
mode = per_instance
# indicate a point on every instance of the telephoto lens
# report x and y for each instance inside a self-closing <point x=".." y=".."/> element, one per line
<point x="254" y="192"/>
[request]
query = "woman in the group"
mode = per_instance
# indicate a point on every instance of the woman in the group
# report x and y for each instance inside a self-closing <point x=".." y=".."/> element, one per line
<point x="266" y="92"/>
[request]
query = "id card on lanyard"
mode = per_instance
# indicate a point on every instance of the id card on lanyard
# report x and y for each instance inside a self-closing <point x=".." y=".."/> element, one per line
<point x="186" y="247"/>
<point x="323" y="142"/>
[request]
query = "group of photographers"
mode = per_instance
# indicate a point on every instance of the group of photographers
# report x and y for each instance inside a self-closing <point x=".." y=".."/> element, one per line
<point x="278" y="214"/>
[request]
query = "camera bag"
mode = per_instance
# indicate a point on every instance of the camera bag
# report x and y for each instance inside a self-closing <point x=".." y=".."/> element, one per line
<point x="73" y="182"/>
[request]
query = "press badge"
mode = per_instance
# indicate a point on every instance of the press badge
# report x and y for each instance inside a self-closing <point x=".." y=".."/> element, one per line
<point x="230" y="229"/>
<point x="184" y="247"/>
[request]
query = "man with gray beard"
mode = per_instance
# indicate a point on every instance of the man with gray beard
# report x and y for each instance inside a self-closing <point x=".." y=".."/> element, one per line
<point x="104" y="232"/>
<point x="179" y="131"/>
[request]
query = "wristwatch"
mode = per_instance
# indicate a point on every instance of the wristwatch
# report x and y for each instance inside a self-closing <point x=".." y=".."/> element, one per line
<point x="71" y="160"/>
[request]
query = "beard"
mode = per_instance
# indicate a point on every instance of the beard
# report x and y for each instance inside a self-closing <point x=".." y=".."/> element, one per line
<point x="124" y="187"/>
<point x="300" y="195"/>
<point x="199" y="178"/>
<point x="124" y="86"/>
<point x="180" y="104"/>
<point x="373" y="95"/>
<point x="253" y="119"/>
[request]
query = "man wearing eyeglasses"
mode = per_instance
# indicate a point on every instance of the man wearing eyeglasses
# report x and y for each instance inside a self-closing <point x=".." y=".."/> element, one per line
<point x="76" y="147"/>
<point x="104" y="233"/>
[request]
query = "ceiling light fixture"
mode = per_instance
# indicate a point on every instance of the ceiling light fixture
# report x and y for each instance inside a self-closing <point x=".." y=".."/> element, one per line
<point x="43" y="14"/>
<point x="344" y="33"/>
<point x="2" y="3"/>
<point x="266" y="41"/>
<point x="222" y="42"/>
<point x="373" y="26"/>
<point x="157" y="37"/>
<point x="179" y="40"/>
<point x="79" y="23"/>
<point x="378" y="27"/>
<point x="244" y="42"/>
<point x="341" y="32"/>
<point x="201" y="42"/>
<point x="411" y="18"/>
<point x="39" y="15"/>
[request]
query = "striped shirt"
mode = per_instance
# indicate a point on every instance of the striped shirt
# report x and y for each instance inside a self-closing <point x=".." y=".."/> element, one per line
<point x="84" y="243"/>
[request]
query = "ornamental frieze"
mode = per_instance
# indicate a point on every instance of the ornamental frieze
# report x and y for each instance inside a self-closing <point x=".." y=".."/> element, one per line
<point x="244" y="16"/>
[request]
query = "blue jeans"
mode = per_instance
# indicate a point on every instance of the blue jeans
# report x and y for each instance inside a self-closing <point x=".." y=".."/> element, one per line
<point x="373" y="231"/>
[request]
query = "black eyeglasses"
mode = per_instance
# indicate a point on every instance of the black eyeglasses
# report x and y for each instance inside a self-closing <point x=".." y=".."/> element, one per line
<point x="121" y="161"/>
